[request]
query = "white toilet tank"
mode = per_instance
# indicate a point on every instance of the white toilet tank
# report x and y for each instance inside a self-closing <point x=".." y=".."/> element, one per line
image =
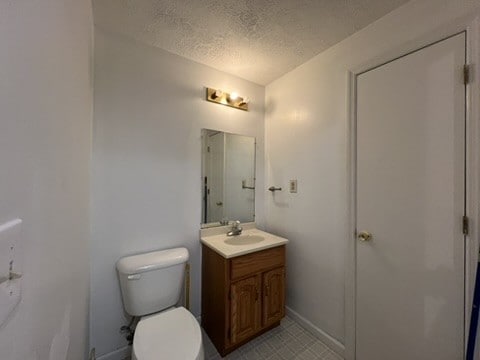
<point x="153" y="281"/>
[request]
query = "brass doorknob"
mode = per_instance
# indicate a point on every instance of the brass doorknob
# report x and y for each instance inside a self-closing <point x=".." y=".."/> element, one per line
<point x="364" y="236"/>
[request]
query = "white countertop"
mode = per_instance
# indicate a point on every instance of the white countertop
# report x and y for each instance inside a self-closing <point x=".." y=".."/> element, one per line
<point x="215" y="239"/>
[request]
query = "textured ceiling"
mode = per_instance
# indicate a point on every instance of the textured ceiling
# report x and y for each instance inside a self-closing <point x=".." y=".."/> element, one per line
<point x="258" y="40"/>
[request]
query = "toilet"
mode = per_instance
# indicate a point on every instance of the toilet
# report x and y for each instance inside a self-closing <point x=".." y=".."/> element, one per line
<point x="151" y="286"/>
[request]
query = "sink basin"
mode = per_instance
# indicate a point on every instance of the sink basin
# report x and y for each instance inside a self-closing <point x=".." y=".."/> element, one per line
<point x="244" y="239"/>
<point x="249" y="241"/>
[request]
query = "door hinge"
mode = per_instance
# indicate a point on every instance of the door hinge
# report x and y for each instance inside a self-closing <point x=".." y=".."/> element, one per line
<point x="465" y="225"/>
<point x="466" y="74"/>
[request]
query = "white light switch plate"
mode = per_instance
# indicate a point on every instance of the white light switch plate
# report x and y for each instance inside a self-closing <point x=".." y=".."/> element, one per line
<point x="10" y="290"/>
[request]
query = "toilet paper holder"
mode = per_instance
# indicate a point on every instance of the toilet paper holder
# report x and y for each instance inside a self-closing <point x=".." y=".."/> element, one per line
<point x="273" y="189"/>
<point x="11" y="275"/>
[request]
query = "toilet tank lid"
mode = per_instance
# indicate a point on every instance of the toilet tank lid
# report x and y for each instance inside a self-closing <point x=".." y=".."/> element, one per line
<point x="152" y="261"/>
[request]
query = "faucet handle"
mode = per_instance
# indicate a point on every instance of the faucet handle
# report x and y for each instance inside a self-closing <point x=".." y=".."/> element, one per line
<point x="236" y="229"/>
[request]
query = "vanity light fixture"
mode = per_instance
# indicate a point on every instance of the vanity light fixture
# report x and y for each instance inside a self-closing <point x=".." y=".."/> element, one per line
<point x="229" y="99"/>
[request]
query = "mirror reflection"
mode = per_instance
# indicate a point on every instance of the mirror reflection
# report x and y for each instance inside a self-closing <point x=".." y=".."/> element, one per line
<point x="228" y="178"/>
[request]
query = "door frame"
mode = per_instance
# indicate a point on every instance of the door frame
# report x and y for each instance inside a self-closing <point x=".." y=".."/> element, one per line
<point x="472" y="143"/>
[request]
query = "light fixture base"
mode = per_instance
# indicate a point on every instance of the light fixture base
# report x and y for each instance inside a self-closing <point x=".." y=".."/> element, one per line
<point x="224" y="98"/>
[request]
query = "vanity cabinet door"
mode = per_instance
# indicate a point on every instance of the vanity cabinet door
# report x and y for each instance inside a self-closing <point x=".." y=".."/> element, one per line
<point x="273" y="296"/>
<point x="245" y="308"/>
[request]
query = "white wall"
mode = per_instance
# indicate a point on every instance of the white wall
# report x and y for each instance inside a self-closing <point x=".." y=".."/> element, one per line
<point x="46" y="98"/>
<point x="306" y="119"/>
<point x="149" y="112"/>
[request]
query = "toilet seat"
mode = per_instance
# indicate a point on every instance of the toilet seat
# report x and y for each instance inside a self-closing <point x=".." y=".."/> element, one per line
<point x="173" y="334"/>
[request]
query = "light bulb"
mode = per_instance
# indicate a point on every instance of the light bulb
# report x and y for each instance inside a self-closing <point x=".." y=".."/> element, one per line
<point x="245" y="100"/>
<point x="233" y="96"/>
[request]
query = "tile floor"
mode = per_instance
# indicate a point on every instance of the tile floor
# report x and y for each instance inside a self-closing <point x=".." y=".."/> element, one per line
<point x="287" y="341"/>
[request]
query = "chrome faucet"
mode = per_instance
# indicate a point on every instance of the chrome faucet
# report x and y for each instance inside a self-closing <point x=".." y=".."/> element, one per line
<point x="236" y="229"/>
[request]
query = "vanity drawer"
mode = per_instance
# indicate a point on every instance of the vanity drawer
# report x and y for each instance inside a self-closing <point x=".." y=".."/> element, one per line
<point x="257" y="262"/>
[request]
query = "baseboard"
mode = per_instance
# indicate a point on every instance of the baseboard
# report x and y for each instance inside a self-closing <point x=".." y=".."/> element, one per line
<point x="119" y="354"/>
<point x="332" y="343"/>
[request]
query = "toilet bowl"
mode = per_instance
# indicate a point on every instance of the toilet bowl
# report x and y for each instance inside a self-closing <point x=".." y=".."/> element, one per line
<point x="173" y="334"/>
<point x="151" y="286"/>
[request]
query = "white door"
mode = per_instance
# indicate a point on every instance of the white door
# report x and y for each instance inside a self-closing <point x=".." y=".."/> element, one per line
<point x="215" y="176"/>
<point x="410" y="197"/>
<point x="239" y="167"/>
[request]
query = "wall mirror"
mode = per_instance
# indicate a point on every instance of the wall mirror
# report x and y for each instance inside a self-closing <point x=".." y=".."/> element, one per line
<point x="228" y="178"/>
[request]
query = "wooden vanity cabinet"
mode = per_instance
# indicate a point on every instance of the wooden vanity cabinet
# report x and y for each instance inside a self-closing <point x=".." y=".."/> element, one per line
<point x="273" y="296"/>
<point x="243" y="296"/>
<point x="245" y="308"/>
